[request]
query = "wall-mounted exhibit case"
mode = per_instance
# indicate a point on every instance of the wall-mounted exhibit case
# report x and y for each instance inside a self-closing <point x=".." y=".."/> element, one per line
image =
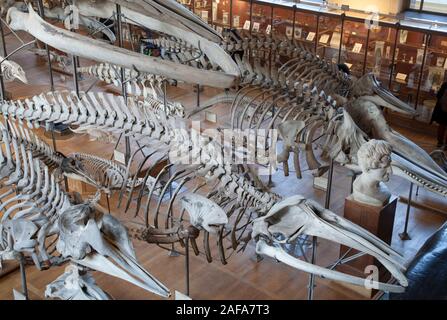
<point x="408" y="56"/>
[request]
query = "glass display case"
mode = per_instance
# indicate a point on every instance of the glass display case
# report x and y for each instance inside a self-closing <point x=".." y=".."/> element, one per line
<point x="408" y="57"/>
<point x="433" y="75"/>
<point x="221" y="14"/>
<point x="306" y="28"/>
<point x="204" y="8"/>
<point x="354" y="46"/>
<point x="380" y="48"/>
<point x="241" y="15"/>
<point x="283" y="23"/>
<point x="329" y="37"/>
<point x="408" y="60"/>
<point x="187" y="3"/>
<point x="261" y="21"/>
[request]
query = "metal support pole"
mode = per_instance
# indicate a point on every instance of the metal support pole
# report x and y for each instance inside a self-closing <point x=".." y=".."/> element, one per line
<point x="270" y="183"/>
<point x="317" y="34"/>
<point x="251" y="16"/>
<point x="50" y="68"/>
<point x="198" y="96"/>
<point x="5" y="51"/>
<point x="172" y="253"/>
<point x="50" y="73"/>
<point x="427" y="40"/>
<point x="23" y="276"/>
<point x="365" y="58"/>
<point x="108" y="203"/>
<point x="310" y="292"/>
<point x="75" y="75"/>
<point x="119" y="23"/>
<point x="294" y="23"/>
<point x="404" y="235"/>
<point x="393" y="62"/>
<point x="128" y="151"/>
<point x="2" y="84"/>
<point x="329" y="185"/>
<point x="340" y="48"/>
<point x="187" y="263"/>
<point x="165" y="96"/>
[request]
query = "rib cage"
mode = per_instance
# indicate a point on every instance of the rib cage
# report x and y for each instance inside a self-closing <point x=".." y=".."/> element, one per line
<point x="38" y="203"/>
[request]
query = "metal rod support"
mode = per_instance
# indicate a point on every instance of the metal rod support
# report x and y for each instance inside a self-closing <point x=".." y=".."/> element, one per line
<point x="329" y="185"/>
<point x="50" y="68"/>
<point x="23" y="277"/>
<point x="108" y="204"/>
<point x="2" y="84"/>
<point x="119" y="23"/>
<point x="187" y="264"/>
<point x="310" y="292"/>
<point x="404" y="235"/>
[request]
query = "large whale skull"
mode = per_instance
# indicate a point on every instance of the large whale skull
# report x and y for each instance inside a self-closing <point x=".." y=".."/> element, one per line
<point x="297" y="216"/>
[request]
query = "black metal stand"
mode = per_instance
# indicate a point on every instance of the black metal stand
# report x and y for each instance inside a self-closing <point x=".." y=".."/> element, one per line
<point x="198" y="96"/>
<point x="404" y="235"/>
<point x="310" y="293"/>
<point x="2" y="84"/>
<point x="187" y="264"/>
<point x="270" y="183"/>
<point x="329" y="185"/>
<point x="311" y="287"/>
<point x="50" y="68"/>
<point x="119" y="24"/>
<point x="173" y="252"/>
<point x="23" y="277"/>
<point x="108" y="204"/>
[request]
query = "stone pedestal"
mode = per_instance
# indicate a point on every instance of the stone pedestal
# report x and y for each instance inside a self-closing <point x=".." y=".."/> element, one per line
<point x="377" y="220"/>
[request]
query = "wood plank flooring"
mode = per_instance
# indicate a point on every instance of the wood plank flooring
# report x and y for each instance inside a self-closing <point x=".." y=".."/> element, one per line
<point x="243" y="277"/>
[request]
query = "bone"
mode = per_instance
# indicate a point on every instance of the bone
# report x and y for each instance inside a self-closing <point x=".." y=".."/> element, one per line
<point x="85" y="47"/>
<point x="75" y="284"/>
<point x="280" y="255"/>
<point x="204" y="213"/>
<point x="12" y="71"/>
<point x="297" y="216"/>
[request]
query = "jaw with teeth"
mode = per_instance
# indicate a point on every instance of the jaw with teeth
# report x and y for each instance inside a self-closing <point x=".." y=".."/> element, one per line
<point x="296" y="216"/>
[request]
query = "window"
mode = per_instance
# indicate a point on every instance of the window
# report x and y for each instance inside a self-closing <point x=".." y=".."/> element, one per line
<point x="439" y="6"/>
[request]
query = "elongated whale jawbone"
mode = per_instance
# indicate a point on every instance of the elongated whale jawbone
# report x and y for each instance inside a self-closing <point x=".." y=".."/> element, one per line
<point x="97" y="50"/>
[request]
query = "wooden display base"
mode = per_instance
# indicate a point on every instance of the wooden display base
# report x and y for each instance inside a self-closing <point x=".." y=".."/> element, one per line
<point x="380" y="222"/>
